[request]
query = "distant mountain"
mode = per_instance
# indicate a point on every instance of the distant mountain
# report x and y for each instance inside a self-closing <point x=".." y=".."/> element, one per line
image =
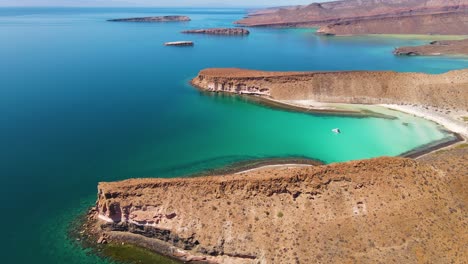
<point x="331" y="13"/>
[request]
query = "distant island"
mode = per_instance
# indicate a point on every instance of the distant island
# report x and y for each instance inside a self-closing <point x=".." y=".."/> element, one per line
<point x="354" y="17"/>
<point x="219" y="31"/>
<point x="153" y="19"/>
<point x="436" y="48"/>
<point x="179" y="43"/>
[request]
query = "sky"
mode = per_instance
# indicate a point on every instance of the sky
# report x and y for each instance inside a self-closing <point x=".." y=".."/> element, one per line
<point x="161" y="3"/>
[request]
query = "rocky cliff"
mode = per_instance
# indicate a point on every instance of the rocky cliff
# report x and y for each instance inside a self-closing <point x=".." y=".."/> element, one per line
<point x="369" y="17"/>
<point x="436" y="48"/>
<point x="385" y="210"/>
<point x="449" y="90"/>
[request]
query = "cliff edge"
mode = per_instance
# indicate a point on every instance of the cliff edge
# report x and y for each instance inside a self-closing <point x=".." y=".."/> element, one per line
<point x="448" y="90"/>
<point x="389" y="210"/>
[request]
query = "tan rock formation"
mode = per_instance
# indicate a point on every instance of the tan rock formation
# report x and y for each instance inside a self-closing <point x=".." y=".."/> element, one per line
<point x="385" y="210"/>
<point x="448" y="90"/>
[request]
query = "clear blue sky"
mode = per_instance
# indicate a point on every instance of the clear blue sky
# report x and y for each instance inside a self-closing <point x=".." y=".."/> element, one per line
<point x="166" y="3"/>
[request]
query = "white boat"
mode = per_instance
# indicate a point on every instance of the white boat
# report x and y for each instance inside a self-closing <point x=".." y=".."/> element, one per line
<point x="336" y="130"/>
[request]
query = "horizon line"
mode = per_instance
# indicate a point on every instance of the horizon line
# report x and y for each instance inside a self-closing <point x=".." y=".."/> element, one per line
<point x="103" y="6"/>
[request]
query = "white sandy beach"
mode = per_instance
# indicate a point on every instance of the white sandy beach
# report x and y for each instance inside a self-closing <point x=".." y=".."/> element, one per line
<point x="450" y="119"/>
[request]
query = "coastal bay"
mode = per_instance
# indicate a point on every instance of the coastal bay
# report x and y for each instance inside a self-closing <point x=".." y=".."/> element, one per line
<point x="87" y="101"/>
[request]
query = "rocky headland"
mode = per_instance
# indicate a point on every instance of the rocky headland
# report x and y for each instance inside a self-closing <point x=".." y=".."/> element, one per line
<point x="370" y="17"/>
<point x="442" y="98"/>
<point x="448" y="90"/>
<point x="219" y="31"/>
<point x="385" y="210"/>
<point x="435" y="48"/>
<point x="152" y="19"/>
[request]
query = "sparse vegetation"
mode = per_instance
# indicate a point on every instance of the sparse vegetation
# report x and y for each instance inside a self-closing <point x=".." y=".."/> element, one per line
<point x="461" y="146"/>
<point x="280" y="214"/>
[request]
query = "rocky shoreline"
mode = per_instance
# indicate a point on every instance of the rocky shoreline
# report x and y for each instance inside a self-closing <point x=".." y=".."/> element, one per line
<point x="435" y="48"/>
<point x="271" y="215"/>
<point x="349" y="87"/>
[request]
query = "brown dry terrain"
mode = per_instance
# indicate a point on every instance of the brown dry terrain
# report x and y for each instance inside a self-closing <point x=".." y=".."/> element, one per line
<point x="454" y="23"/>
<point x="370" y="17"/>
<point x="436" y="48"/>
<point x="384" y="210"/>
<point x="445" y="91"/>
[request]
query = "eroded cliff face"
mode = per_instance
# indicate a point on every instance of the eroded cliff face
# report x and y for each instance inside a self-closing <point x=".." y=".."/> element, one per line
<point x="389" y="210"/>
<point x="449" y="90"/>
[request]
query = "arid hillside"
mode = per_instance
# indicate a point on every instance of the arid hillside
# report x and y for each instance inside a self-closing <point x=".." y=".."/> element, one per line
<point x="370" y="17"/>
<point x="449" y="90"/>
<point x="389" y="210"/>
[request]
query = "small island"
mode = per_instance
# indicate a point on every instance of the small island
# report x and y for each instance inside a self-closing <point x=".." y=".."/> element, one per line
<point x="153" y="19"/>
<point x="435" y="48"/>
<point x="219" y="31"/>
<point x="179" y="43"/>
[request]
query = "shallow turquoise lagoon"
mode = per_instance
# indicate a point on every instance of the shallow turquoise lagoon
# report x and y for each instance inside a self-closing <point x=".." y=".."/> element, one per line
<point x="83" y="100"/>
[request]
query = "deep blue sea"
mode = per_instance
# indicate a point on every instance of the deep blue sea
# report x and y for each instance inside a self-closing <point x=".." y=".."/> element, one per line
<point x="83" y="100"/>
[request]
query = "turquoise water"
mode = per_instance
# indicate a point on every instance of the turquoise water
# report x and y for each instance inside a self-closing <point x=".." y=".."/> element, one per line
<point x="83" y="100"/>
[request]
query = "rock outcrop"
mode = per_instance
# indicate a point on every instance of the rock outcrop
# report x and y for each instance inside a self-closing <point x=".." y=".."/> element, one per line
<point x="179" y="43"/>
<point x="219" y="31"/>
<point x="370" y="17"/>
<point x="153" y="19"/>
<point x="448" y="90"/>
<point x="388" y="210"/>
<point x="435" y="48"/>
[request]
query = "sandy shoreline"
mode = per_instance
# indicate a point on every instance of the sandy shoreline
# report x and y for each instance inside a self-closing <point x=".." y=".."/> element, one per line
<point x="451" y="120"/>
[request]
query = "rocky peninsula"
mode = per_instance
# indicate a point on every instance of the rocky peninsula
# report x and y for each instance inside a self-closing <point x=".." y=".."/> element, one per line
<point x="153" y="19"/>
<point x="390" y="210"/>
<point x="442" y="98"/>
<point x="370" y="17"/>
<point x="435" y="48"/>
<point x="219" y="31"/>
